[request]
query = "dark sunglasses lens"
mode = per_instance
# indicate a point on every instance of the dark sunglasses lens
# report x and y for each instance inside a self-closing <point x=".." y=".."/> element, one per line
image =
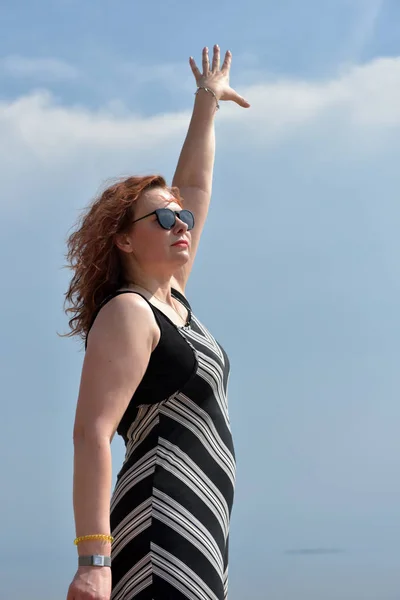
<point x="166" y="218"/>
<point x="187" y="217"/>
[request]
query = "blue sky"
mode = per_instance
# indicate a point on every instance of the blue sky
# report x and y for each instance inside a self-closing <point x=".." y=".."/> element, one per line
<point x="297" y="275"/>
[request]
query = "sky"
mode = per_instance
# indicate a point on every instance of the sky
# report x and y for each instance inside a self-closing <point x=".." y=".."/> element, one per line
<point x="297" y="274"/>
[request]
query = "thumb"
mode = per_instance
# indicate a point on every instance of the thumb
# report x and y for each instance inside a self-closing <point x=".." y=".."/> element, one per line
<point x="241" y="101"/>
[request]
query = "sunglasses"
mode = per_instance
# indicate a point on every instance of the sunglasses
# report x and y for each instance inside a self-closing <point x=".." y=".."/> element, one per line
<point x="167" y="217"/>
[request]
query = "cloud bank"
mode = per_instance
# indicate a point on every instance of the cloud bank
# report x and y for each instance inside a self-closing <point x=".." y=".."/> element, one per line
<point x="354" y="113"/>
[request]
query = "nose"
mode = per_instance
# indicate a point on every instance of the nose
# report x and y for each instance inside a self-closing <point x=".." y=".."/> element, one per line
<point x="180" y="226"/>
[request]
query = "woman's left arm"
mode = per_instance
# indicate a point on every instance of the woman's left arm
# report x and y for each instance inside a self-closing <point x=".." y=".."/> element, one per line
<point x="194" y="173"/>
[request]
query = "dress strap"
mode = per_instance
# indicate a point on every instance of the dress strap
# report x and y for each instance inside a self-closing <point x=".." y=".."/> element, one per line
<point x="179" y="296"/>
<point x="114" y="295"/>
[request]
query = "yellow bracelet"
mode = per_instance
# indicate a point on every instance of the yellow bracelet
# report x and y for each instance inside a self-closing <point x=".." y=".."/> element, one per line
<point x="94" y="536"/>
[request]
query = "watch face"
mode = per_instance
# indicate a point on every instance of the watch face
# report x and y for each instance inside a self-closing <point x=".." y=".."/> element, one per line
<point x="98" y="561"/>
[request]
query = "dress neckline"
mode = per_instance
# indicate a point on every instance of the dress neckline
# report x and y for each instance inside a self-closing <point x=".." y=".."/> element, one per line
<point x="175" y="294"/>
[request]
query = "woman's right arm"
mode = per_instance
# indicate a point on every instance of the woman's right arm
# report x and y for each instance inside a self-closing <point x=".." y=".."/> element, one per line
<point x="118" y="352"/>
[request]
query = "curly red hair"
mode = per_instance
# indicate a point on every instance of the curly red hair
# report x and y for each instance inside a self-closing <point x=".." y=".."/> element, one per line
<point x="92" y="254"/>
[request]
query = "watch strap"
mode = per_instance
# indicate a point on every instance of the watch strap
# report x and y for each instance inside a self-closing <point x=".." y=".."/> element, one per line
<point x="94" y="560"/>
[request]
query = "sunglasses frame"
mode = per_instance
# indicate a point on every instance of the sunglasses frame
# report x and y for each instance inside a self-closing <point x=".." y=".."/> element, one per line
<point x="176" y="214"/>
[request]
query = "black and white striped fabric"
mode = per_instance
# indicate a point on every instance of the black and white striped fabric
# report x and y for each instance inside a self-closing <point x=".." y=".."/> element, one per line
<point x="172" y="502"/>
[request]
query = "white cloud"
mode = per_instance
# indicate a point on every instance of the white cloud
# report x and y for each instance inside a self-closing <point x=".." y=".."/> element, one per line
<point x="356" y="112"/>
<point x="52" y="131"/>
<point x="40" y="69"/>
<point x="361" y="96"/>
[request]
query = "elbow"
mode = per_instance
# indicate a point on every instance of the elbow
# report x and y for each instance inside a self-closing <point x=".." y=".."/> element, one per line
<point x="90" y="435"/>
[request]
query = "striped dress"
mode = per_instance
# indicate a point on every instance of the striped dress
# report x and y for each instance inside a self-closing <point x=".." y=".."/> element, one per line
<point x="171" y="506"/>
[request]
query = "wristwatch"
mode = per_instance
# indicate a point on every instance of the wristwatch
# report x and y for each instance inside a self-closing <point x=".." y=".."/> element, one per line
<point x="94" y="560"/>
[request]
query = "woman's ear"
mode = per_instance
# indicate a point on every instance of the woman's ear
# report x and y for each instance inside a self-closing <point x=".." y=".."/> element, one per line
<point x="123" y="242"/>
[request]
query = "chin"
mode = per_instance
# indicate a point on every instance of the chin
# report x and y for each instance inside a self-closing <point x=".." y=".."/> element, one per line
<point x="182" y="257"/>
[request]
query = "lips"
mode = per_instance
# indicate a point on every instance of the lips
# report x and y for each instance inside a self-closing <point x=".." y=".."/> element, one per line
<point x="181" y="243"/>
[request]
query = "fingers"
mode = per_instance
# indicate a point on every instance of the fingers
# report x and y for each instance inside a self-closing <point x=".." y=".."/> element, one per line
<point x="195" y="69"/>
<point x="215" y="62"/>
<point x="226" y="65"/>
<point x="216" y="58"/>
<point x="206" y="62"/>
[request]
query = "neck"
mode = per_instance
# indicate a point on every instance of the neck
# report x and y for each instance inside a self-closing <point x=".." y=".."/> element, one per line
<point x="160" y="289"/>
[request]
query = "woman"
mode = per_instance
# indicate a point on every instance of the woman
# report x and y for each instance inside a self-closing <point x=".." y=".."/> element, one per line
<point x="154" y="374"/>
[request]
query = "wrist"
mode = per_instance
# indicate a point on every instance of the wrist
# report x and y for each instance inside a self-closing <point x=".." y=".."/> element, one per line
<point x="94" y="547"/>
<point x="91" y="568"/>
<point x="207" y="95"/>
<point x="83" y="570"/>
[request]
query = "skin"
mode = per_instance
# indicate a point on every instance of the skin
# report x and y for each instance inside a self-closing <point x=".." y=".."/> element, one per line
<point x="125" y="332"/>
<point x="150" y="259"/>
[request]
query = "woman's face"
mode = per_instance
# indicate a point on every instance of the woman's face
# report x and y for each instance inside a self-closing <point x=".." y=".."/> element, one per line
<point x="147" y="244"/>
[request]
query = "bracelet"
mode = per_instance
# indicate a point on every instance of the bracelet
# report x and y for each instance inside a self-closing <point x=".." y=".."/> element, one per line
<point x="202" y="87"/>
<point x="94" y="536"/>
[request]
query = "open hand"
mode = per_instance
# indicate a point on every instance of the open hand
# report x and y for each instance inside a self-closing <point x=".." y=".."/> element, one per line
<point x="216" y="78"/>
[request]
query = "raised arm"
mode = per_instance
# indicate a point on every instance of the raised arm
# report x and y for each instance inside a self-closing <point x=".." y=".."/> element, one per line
<point x="194" y="172"/>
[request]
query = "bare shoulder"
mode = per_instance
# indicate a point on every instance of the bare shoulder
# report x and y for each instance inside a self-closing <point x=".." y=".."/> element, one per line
<point x="118" y="352"/>
<point x="125" y="319"/>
